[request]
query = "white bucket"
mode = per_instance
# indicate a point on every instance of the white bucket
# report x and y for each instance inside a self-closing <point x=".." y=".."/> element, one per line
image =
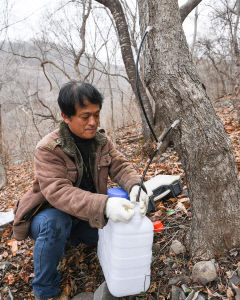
<point x="125" y="254"/>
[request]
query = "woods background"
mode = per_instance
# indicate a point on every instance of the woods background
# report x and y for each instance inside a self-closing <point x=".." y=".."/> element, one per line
<point x="77" y="40"/>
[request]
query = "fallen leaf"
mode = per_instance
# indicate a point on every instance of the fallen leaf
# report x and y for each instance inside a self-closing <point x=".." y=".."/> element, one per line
<point x="230" y="294"/>
<point x="67" y="290"/>
<point x="10" y="279"/>
<point x="63" y="297"/>
<point x="7" y="232"/>
<point x="80" y="259"/>
<point x="160" y="206"/>
<point x="153" y="287"/>
<point x="14" y="246"/>
<point x="181" y="207"/>
<point x="183" y="200"/>
<point x="210" y="293"/>
<point x="4" y="254"/>
<point x="156" y="216"/>
<point x="229" y="274"/>
<point x="24" y="275"/>
<point x="89" y="286"/>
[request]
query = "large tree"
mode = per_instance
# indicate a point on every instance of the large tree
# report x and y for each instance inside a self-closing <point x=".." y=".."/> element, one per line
<point x="117" y="12"/>
<point x="127" y="55"/>
<point x="205" y="150"/>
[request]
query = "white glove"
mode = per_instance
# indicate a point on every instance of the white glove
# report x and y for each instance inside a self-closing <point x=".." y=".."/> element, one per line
<point x="119" y="209"/>
<point x="143" y="199"/>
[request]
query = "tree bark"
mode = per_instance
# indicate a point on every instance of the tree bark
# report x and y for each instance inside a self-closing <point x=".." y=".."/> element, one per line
<point x="127" y="55"/>
<point x="205" y="150"/>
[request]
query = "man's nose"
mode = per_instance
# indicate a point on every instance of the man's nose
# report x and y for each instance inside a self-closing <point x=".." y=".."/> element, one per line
<point x="92" y="121"/>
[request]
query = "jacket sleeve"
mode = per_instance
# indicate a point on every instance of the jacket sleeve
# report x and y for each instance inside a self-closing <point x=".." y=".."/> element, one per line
<point x="121" y="171"/>
<point x="52" y="175"/>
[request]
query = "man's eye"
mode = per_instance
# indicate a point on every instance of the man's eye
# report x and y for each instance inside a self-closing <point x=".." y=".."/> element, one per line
<point x="84" y="118"/>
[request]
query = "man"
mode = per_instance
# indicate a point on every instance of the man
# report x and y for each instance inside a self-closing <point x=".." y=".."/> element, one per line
<point x="68" y="200"/>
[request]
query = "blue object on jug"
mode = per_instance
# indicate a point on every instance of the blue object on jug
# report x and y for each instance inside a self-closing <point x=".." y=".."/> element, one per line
<point x="117" y="192"/>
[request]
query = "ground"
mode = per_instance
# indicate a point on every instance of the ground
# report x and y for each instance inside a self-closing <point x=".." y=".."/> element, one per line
<point x="80" y="268"/>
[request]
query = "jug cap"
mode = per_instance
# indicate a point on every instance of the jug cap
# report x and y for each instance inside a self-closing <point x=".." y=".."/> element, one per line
<point x="158" y="226"/>
<point x="117" y="192"/>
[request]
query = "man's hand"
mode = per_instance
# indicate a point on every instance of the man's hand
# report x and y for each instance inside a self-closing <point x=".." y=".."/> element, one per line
<point x="143" y="199"/>
<point x="119" y="209"/>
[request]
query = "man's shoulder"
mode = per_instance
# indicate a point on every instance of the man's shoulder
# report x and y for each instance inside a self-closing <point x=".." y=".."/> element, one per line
<point x="50" y="141"/>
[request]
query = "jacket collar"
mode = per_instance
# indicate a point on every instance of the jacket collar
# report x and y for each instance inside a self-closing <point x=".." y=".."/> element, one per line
<point x="67" y="142"/>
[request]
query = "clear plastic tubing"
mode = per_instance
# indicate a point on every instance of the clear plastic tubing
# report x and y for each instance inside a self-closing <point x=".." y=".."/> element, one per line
<point x="125" y="254"/>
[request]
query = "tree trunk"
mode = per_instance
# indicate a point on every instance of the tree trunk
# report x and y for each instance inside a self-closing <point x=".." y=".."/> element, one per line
<point x="205" y="150"/>
<point x="127" y="55"/>
<point x="3" y="179"/>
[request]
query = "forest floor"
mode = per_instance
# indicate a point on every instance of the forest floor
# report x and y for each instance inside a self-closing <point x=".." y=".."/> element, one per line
<point x="80" y="268"/>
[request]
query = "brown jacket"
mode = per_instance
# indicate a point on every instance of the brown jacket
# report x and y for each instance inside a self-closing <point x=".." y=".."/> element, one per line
<point x="58" y="170"/>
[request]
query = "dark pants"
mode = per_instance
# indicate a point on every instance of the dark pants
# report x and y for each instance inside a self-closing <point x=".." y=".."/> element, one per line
<point x="51" y="228"/>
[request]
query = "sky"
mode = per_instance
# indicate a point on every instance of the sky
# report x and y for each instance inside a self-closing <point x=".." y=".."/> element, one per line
<point x="27" y="15"/>
<point x="26" y="12"/>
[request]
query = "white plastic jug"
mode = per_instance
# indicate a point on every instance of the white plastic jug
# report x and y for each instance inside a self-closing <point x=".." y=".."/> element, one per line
<point x="125" y="254"/>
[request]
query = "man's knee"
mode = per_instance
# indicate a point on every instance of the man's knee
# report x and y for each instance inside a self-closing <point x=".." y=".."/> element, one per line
<point x="52" y="223"/>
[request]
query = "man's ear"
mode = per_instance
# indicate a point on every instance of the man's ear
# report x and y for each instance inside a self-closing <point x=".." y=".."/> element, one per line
<point x="65" y="118"/>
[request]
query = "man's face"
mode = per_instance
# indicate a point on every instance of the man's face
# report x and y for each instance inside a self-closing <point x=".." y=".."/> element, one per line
<point x="85" y="122"/>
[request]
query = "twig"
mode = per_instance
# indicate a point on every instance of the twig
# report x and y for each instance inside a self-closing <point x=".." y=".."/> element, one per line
<point x="169" y="241"/>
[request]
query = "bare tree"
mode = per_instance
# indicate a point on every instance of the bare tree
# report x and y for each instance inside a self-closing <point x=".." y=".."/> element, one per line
<point x="217" y="59"/>
<point x="3" y="178"/>
<point x="195" y="30"/>
<point x="109" y="81"/>
<point x="221" y="49"/>
<point x="3" y="27"/>
<point x="200" y="140"/>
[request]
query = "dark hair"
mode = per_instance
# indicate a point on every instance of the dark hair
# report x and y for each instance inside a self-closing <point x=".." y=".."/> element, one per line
<point x="73" y="94"/>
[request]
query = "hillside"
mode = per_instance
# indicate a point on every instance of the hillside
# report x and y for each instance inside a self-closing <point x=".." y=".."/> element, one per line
<point x="80" y="268"/>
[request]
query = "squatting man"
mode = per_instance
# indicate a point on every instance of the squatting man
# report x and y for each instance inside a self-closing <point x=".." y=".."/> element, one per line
<point x="68" y="201"/>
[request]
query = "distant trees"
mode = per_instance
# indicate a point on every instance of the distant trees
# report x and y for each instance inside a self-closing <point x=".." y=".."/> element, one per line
<point x="220" y="49"/>
<point x="3" y="27"/>
<point x="72" y="44"/>
<point x="67" y="48"/>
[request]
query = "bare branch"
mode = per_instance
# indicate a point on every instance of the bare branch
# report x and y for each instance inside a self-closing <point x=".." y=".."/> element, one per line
<point x="82" y="36"/>
<point x="235" y="9"/>
<point x="235" y="32"/>
<point x="187" y="7"/>
<point x="57" y="67"/>
<point x="42" y="63"/>
<point x="50" y="116"/>
<point x="195" y="30"/>
<point x="45" y="74"/>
